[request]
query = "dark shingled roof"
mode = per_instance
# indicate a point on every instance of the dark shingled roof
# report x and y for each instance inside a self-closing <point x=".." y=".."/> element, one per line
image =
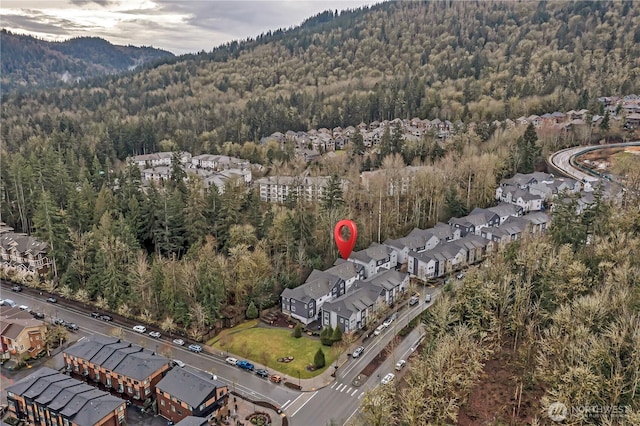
<point x="189" y="385"/>
<point x="192" y="421"/>
<point x="82" y="404"/>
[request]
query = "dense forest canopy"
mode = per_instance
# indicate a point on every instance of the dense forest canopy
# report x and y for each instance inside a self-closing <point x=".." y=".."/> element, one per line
<point x="28" y="62"/>
<point x="192" y="255"/>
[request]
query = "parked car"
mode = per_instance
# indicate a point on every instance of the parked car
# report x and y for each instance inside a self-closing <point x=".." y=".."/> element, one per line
<point x="155" y="334"/>
<point x="9" y="302"/>
<point x="179" y="363"/>
<point x="262" y="373"/>
<point x="460" y="275"/>
<point x="96" y="314"/>
<point x="275" y="378"/>
<point x="24" y="308"/>
<point x="387" y="322"/>
<point x="140" y="328"/>
<point x="231" y="360"/>
<point x="178" y="342"/>
<point x="72" y="326"/>
<point x="245" y="365"/>
<point x="16" y="288"/>
<point x="195" y="348"/>
<point x="414" y="300"/>
<point x="388" y="378"/>
<point x="400" y="364"/>
<point x="379" y="330"/>
<point x="357" y="352"/>
<point x="52" y="300"/>
<point x="59" y="321"/>
<point x="106" y="317"/>
<point x="37" y="315"/>
<point x="427" y="298"/>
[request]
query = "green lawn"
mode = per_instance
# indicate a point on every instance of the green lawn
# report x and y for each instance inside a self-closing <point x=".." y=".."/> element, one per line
<point x="266" y="345"/>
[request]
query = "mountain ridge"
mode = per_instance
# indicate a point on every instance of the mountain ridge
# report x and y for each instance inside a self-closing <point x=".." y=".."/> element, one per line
<point x="29" y="62"/>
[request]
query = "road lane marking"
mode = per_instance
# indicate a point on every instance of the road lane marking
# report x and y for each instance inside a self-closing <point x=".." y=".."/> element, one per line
<point x="352" y="414"/>
<point x="285" y="404"/>
<point x="355" y="391"/>
<point x="294" y="401"/>
<point x="334" y="385"/>
<point x="349" y="389"/>
<point x="361" y="395"/>
<point x="305" y="403"/>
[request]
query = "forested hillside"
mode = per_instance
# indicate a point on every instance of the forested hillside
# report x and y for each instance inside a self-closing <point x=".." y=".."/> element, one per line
<point x="184" y="256"/>
<point x="469" y="60"/>
<point x="29" y="63"/>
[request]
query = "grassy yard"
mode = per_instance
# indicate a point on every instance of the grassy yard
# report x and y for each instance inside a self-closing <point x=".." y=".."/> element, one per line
<point x="266" y="345"/>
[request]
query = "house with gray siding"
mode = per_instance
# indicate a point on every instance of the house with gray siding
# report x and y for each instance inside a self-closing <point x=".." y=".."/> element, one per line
<point x="351" y="311"/>
<point x="304" y="302"/>
<point x="374" y="258"/>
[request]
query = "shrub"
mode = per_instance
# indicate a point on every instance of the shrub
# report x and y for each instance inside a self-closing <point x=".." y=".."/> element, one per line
<point x="252" y="311"/>
<point x="326" y="336"/>
<point x="318" y="359"/>
<point x="337" y="334"/>
<point x="297" y="331"/>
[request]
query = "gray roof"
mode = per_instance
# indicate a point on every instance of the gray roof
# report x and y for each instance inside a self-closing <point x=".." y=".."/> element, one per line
<point x="189" y="385"/>
<point x="537" y="218"/>
<point x="471" y="241"/>
<point x="80" y="403"/>
<point x="192" y="421"/>
<point x="118" y="356"/>
<point x="318" y="284"/>
<point x="360" y="297"/>
<point x="345" y="270"/>
<point x="374" y="252"/>
<point x="506" y="209"/>
<point x="22" y="243"/>
<point x="387" y="279"/>
<point x="511" y="226"/>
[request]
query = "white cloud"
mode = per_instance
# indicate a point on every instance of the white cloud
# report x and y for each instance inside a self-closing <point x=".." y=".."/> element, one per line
<point x="180" y="26"/>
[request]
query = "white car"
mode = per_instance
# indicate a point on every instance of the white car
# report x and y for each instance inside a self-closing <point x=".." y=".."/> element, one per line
<point x="379" y="330"/>
<point x="179" y="363"/>
<point x="24" y="308"/>
<point x="231" y="360"/>
<point x="427" y="298"/>
<point x="178" y="342"/>
<point x="387" y="322"/>
<point x="400" y="364"/>
<point x="155" y="334"/>
<point x="140" y="328"/>
<point x="388" y="378"/>
<point x="357" y="352"/>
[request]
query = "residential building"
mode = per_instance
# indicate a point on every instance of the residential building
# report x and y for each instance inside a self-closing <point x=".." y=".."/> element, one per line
<point x="418" y="240"/>
<point x="158" y="159"/>
<point x="219" y="162"/>
<point x="47" y="397"/>
<point x="305" y="301"/>
<point x="278" y="189"/>
<point x="505" y="210"/>
<point x="21" y="335"/>
<point x="351" y="311"/>
<point x="472" y="223"/>
<point x="192" y="421"/>
<point x="129" y="369"/>
<point x="374" y="258"/>
<point x="185" y="391"/>
<point x="23" y="253"/>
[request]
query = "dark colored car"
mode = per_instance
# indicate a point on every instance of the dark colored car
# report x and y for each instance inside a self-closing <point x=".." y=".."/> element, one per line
<point x="262" y="373"/>
<point x="52" y="300"/>
<point x="37" y="315"/>
<point x="106" y="318"/>
<point x="16" y="288"/>
<point x="60" y="321"/>
<point x="245" y="365"/>
<point x="72" y="326"/>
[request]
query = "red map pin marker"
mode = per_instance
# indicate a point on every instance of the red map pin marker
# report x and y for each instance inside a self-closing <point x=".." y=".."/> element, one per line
<point x="345" y="246"/>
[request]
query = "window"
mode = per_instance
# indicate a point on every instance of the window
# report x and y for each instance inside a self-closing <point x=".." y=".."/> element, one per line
<point x="179" y="412"/>
<point x="293" y="308"/>
<point x="147" y="391"/>
<point x="173" y="408"/>
<point x="162" y="402"/>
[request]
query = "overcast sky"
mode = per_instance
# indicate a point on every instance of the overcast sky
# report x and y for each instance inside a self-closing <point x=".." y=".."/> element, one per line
<point x="179" y="26"/>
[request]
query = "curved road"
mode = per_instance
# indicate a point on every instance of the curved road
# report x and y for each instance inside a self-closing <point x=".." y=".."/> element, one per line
<point x="562" y="160"/>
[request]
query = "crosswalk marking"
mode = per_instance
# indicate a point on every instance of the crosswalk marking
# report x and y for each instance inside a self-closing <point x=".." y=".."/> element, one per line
<point x="334" y="385"/>
<point x="355" y="391"/>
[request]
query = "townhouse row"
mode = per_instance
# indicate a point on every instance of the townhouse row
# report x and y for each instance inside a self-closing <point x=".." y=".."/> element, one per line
<point x="21" y="334"/>
<point x="21" y="252"/>
<point x="353" y="291"/>
<point x="107" y="371"/>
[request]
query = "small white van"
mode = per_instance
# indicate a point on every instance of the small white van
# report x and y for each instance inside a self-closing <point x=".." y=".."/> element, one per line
<point x="140" y="328"/>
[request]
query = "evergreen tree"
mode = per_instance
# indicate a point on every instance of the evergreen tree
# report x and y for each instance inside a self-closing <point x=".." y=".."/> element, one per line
<point x="333" y="196"/>
<point x="604" y="124"/>
<point x="337" y="334"/>
<point x="397" y="138"/>
<point x="178" y="175"/>
<point x="357" y="143"/>
<point x="455" y="206"/>
<point x="252" y="311"/>
<point x="297" y="331"/>
<point x="528" y="150"/>
<point x="326" y="336"/>
<point x="318" y="359"/>
<point x="385" y="144"/>
<point x="195" y="210"/>
<point x="50" y="227"/>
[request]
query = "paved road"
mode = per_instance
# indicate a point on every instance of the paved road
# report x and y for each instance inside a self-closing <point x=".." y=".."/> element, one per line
<point x="562" y="159"/>
<point x="245" y="383"/>
<point x="340" y="401"/>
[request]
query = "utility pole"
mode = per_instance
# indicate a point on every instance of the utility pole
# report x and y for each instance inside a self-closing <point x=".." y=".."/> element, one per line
<point x="379" y="214"/>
